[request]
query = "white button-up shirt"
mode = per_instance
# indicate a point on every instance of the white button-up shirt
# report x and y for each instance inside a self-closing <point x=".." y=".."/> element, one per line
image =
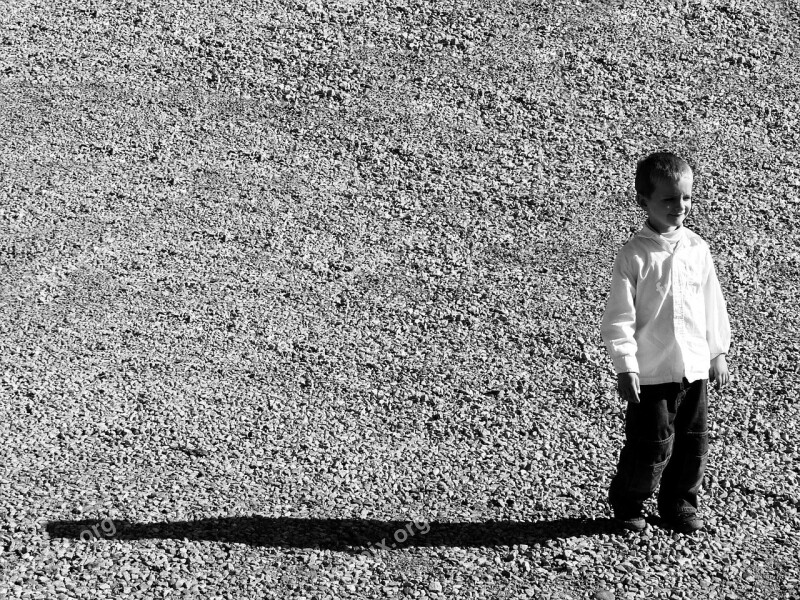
<point x="665" y="317"/>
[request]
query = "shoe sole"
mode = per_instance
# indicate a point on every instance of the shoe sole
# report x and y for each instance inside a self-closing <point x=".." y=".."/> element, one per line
<point x="629" y="526"/>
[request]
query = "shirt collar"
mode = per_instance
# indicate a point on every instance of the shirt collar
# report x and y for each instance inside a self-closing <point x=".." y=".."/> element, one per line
<point x="648" y="232"/>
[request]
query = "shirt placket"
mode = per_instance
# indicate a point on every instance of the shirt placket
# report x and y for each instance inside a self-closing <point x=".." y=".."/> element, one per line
<point x="679" y="279"/>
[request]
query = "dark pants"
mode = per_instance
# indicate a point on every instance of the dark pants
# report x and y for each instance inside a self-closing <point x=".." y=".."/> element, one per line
<point x="666" y="439"/>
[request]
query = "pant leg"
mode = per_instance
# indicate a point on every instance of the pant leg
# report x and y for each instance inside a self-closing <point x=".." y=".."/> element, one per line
<point x="683" y="476"/>
<point x="649" y="435"/>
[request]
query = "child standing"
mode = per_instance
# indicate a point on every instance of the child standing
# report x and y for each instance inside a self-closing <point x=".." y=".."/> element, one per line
<point x="666" y="328"/>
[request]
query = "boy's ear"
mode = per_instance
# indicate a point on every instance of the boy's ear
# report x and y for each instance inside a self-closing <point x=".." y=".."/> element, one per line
<point x="641" y="200"/>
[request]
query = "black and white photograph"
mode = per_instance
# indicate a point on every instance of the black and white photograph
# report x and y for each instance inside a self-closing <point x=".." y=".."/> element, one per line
<point x="404" y="299"/>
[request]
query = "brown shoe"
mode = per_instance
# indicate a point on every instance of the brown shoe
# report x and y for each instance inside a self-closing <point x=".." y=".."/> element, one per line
<point x="687" y="522"/>
<point x="631" y="522"/>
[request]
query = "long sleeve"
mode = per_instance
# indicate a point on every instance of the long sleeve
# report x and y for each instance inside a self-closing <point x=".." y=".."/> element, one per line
<point x="619" y="319"/>
<point x="718" y="329"/>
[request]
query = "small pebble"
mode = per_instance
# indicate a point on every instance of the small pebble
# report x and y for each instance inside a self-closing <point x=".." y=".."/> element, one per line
<point x="434" y="586"/>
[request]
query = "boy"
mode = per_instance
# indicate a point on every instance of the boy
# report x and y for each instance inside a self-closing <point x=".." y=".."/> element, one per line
<point x="666" y="328"/>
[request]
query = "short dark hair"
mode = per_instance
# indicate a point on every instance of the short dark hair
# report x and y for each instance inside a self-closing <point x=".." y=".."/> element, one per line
<point x="659" y="165"/>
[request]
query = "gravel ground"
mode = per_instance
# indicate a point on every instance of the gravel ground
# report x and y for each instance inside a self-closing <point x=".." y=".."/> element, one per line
<point x="301" y="300"/>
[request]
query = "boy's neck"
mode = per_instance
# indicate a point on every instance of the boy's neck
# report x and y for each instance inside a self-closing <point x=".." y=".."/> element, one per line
<point x="650" y="225"/>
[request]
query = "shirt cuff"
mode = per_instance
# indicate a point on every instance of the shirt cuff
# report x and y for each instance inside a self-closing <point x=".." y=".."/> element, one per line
<point x="626" y="364"/>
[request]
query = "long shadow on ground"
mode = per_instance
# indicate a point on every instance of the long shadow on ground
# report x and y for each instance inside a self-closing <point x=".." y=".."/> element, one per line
<point x="339" y="534"/>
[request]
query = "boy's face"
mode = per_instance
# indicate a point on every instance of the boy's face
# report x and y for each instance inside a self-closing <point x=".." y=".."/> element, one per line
<point x="669" y="203"/>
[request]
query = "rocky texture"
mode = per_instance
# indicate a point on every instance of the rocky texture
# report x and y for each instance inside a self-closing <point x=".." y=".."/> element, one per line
<point x="280" y="281"/>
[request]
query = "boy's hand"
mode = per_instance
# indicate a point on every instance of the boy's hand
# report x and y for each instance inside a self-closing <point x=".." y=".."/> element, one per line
<point x="719" y="371"/>
<point x="628" y="387"/>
